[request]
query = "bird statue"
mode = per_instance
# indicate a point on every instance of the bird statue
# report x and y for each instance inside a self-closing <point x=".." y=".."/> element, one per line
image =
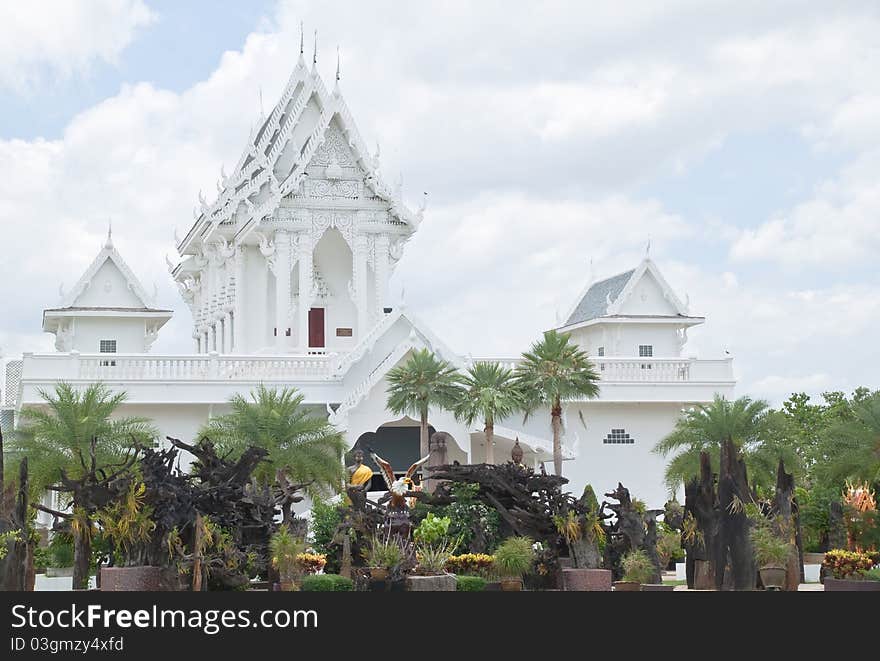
<point x="397" y="487"/>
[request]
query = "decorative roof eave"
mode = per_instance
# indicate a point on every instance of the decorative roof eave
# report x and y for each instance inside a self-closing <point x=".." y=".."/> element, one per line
<point x="107" y="252"/>
<point x="678" y="320"/>
<point x="536" y="443"/>
<point x="52" y="317"/>
<point x="425" y="335"/>
<point x="228" y="200"/>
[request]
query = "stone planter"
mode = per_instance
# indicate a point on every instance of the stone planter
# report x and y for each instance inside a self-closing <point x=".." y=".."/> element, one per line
<point x="627" y="586"/>
<point x="511" y="584"/>
<point x="132" y="579"/>
<point x="845" y="585"/>
<point x="379" y="573"/>
<point x="586" y="580"/>
<point x="59" y="572"/>
<point x="657" y="587"/>
<point x="442" y="583"/>
<point x="773" y="578"/>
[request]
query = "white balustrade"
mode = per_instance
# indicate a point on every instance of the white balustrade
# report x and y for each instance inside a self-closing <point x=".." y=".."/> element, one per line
<point x="199" y="367"/>
<point x="651" y="370"/>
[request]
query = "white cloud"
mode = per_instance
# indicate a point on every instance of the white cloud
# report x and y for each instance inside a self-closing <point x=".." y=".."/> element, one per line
<point x="532" y="137"/>
<point x="63" y="38"/>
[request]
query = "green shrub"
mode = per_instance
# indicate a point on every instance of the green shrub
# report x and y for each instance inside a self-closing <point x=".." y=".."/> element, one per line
<point x="42" y="559"/>
<point x="325" y="518"/>
<point x="326" y="583"/>
<point x="470" y="583"/>
<point x="770" y="549"/>
<point x="871" y="574"/>
<point x="637" y="567"/>
<point x="514" y="557"/>
<point x="431" y="530"/>
<point x="61" y="550"/>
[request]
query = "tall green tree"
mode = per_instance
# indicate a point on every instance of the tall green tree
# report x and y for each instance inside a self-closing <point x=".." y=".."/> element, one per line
<point x="489" y="392"/>
<point x="304" y="450"/>
<point x="851" y="447"/>
<point x="553" y="371"/>
<point x="418" y="384"/>
<point x="74" y="445"/>
<point x="704" y="427"/>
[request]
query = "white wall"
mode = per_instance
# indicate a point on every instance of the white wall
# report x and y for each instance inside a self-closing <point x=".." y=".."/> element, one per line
<point x="128" y="333"/>
<point x="108" y="288"/>
<point x="623" y="339"/>
<point x="604" y="465"/>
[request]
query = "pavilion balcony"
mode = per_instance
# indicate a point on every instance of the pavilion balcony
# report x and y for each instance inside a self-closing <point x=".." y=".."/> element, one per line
<point x="310" y="366"/>
<point x="624" y="370"/>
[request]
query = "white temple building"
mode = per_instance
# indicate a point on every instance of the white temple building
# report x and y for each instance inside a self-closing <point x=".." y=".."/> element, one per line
<point x="286" y="274"/>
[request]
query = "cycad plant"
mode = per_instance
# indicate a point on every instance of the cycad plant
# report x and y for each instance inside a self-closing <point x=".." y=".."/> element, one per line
<point x="704" y="427"/>
<point x="553" y="371"/>
<point x="304" y="450"/>
<point x="418" y="384"/>
<point x="489" y="392"/>
<point x="75" y="445"/>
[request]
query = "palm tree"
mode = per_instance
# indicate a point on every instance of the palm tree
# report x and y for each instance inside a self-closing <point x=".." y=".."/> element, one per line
<point x="74" y="445"/>
<point x="302" y="448"/>
<point x="418" y="384"/>
<point x="555" y="370"/>
<point x="852" y="447"/>
<point x="703" y="428"/>
<point x="489" y="393"/>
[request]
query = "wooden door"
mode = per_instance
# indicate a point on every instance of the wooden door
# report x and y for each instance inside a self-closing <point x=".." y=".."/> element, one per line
<point x="316" y="328"/>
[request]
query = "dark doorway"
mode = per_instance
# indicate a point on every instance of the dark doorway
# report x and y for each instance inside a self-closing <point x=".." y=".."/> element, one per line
<point x="399" y="446"/>
<point x="316" y="328"/>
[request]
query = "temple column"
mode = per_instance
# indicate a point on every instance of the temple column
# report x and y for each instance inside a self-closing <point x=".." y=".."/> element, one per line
<point x="197" y="341"/>
<point x="359" y="276"/>
<point x="261" y="289"/>
<point x="238" y="337"/>
<point x="380" y="249"/>
<point x="227" y="332"/>
<point x="212" y="330"/>
<point x="282" y="289"/>
<point x="304" y="254"/>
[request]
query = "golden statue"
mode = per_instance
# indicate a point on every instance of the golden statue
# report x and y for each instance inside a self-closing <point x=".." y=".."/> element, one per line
<point x="358" y="474"/>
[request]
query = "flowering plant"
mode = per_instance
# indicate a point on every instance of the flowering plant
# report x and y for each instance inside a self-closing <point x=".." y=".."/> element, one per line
<point x="311" y="563"/>
<point x="478" y="564"/>
<point x="846" y="564"/>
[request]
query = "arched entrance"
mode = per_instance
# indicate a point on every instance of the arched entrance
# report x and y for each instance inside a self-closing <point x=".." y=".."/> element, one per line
<point x="396" y="443"/>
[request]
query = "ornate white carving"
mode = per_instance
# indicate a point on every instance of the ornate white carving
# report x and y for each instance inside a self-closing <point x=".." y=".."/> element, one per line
<point x="319" y="285"/>
<point x="64" y="337"/>
<point x="151" y="335"/>
<point x="322" y="188"/>
<point x="344" y="222"/>
<point x="395" y="251"/>
<point x="333" y="148"/>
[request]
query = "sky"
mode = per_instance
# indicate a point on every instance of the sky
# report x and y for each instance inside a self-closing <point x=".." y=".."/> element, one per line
<point x="740" y="139"/>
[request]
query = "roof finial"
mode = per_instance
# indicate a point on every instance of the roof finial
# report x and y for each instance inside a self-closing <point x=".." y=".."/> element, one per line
<point x="592" y="272"/>
<point x="648" y="248"/>
<point x="302" y="38"/>
<point x="315" y="51"/>
<point x="337" y="63"/>
<point x="109" y="243"/>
